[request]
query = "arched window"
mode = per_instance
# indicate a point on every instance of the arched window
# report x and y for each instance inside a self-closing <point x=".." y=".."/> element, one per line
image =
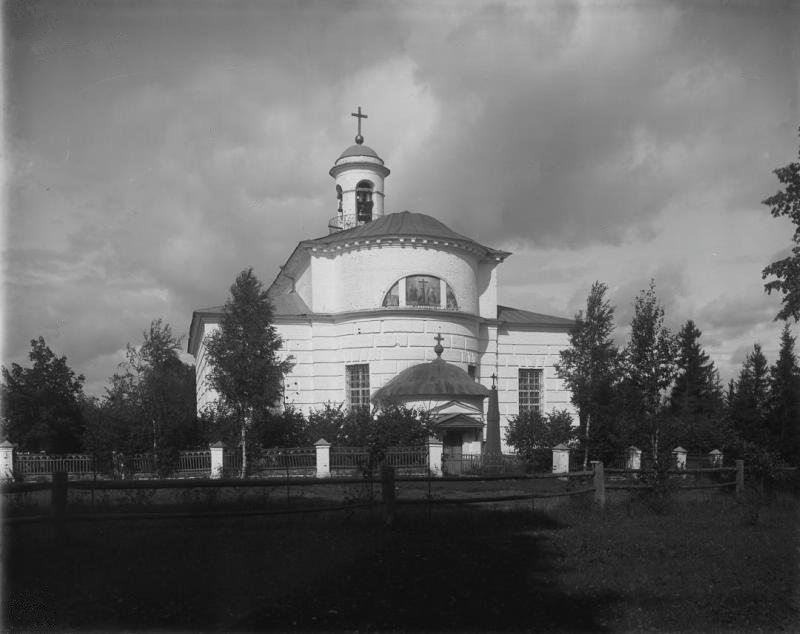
<point x="339" y="196"/>
<point x="421" y="291"/>
<point x="364" y="201"/>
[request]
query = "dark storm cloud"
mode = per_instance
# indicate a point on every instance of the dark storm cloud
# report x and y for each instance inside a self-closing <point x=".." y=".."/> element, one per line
<point x="588" y="120"/>
<point x="155" y="151"/>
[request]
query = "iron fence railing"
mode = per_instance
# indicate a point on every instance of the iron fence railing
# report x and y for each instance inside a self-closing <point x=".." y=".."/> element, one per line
<point x="32" y="466"/>
<point x="295" y="461"/>
<point x="194" y="464"/>
<point x="349" y="458"/>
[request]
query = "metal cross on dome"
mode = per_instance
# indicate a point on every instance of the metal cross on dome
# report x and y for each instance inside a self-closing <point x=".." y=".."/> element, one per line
<point x="438" y="349"/>
<point x="359" y="116"/>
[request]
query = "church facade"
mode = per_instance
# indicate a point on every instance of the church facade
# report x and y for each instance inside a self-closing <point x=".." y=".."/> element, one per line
<point x="359" y="306"/>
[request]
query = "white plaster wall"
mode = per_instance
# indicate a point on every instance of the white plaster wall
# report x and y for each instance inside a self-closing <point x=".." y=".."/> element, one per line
<point x="205" y="395"/>
<point x="358" y="279"/>
<point x="388" y="344"/>
<point x="526" y="348"/>
<point x="486" y="285"/>
<point x="348" y="180"/>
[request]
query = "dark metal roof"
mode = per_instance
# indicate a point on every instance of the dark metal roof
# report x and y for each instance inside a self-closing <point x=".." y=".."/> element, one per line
<point x="528" y="318"/>
<point x="359" y="150"/>
<point x="404" y="223"/>
<point x="436" y="378"/>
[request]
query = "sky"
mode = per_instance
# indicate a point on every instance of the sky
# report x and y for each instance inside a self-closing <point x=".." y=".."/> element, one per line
<point x="154" y="150"/>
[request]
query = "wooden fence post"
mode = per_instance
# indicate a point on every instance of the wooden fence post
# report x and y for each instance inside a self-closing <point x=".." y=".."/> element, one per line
<point x="387" y="493"/>
<point x="739" y="477"/>
<point x="58" y="503"/>
<point x="599" y="483"/>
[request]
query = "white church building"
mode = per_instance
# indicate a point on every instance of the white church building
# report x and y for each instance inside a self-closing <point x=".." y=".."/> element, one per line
<point x="371" y="299"/>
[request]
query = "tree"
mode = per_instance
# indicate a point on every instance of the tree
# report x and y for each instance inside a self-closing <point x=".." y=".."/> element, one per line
<point x="786" y="202"/>
<point x="243" y="352"/>
<point x="532" y="433"/>
<point x="750" y="402"/>
<point x="784" y="409"/>
<point x="696" y="398"/>
<point x="588" y="366"/>
<point x="42" y="404"/>
<point x="649" y="369"/>
<point x="149" y="404"/>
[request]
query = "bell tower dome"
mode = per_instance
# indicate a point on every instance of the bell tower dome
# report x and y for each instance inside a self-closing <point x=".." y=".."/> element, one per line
<point x="359" y="174"/>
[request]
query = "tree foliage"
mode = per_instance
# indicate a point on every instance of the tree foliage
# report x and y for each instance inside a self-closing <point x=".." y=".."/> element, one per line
<point x="149" y="405"/>
<point x="696" y="398"/>
<point x="42" y="403"/>
<point x="533" y="434"/>
<point x="246" y="369"/>
<point x="784" y="408"/>
<point x="786" y="203"/>
<point x="749" y="405"/>
<point x="649" y="369"/>
<point x="589" y="366"/>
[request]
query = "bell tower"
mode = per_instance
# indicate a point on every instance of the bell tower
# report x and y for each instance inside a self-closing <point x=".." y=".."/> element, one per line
<point x="359" y="175"/>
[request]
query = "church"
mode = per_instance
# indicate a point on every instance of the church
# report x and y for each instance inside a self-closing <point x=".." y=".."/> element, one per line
<point x="397" y="307"/>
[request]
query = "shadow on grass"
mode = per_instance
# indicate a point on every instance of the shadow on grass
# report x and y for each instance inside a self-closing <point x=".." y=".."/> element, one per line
<point x="460" y="570"/>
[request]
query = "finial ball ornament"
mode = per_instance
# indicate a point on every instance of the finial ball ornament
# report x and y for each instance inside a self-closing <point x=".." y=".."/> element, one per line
<point x="359" y="139"/>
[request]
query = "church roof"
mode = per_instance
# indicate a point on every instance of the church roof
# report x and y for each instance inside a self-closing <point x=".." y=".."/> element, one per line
<point x="402" y="224"/>
<point x="359" y="150"/>
<point x="436" y="378"/>
<point x="528" y="318"/>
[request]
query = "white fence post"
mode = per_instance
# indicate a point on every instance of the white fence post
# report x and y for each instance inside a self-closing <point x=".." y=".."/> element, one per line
<point x="633" y="460"/>
<point x="715" y="458"/>
<point x="435" y="450"/>
<point x="323" y="448"/>
<point x="6" y="460"/>
<point x="217" y="456"/>
<point x="680" y="458"/>
<point x="561" y="459"/>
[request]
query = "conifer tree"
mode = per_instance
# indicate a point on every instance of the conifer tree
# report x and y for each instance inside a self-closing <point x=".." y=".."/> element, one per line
<point x="696" y="398"/>
<point x="588" y="367"/>
<point x="784" y="388"/>
<point x="750" y="403"/>
<point x="246" y="370"/>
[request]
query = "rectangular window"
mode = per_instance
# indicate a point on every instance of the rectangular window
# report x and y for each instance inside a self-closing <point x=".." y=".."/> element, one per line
<point x="530" y="390"/>
<point x="471" y="371"/>
<point x="357" y="385"/>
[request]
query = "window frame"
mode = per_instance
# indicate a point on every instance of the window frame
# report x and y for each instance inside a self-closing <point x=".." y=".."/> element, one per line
<point x="445" y="292"/>
<point x="361" y="390"/>
<point x="530" y="394"/>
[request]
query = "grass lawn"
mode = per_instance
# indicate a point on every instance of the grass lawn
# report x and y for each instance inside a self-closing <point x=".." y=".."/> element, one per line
<point x="626" y="569"/>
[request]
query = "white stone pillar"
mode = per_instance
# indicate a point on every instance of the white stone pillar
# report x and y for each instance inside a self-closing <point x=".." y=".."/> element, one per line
<point x="680" y="458"/>
<point x="560" y="459"/>
<point x="715" y="458"/>
<point x="323" y="458"/>
<point x="6" y="461"/>
<point x="217" y="456"/>
<point x="633" y="460"/>
<point x="435" y="450"/>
